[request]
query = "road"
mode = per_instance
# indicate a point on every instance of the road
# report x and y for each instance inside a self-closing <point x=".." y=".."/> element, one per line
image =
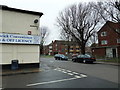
<point x="66" y="74"/>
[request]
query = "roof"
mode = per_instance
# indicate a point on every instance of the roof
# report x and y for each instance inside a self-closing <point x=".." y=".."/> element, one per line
<point x="3" y="7"/>
<point x="110" y="25"/>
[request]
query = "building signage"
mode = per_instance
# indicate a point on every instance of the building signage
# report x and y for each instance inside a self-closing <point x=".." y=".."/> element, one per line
<point x="19" y="39"/>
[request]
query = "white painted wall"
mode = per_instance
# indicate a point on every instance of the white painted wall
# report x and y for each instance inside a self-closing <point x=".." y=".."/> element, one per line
<point x="18" y="23"/>
<point x="23" y="53"/>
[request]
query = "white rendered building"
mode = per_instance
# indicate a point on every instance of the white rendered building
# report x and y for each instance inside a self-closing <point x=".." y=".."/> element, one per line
<point x="19" y="37"/>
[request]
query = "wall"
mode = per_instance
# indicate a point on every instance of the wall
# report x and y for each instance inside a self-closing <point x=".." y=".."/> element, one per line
<point x="99" y="52"/>
<point x="15" y="22"/>
<point x="111" y="37"/>
<point x="23" y="53"/>
<point x="118" y="51"/>
<point x="19" y="23"/>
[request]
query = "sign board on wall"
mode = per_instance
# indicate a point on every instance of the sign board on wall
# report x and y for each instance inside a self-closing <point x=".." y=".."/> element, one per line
<point x="19" y="39"/>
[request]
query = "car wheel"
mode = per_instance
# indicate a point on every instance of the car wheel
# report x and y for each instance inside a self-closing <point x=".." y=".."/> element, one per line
<point x="73" y="60"/>
<point x="84" y="61"/>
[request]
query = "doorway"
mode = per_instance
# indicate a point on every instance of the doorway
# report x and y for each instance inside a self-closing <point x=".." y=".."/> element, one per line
<point x="114" y="53"/>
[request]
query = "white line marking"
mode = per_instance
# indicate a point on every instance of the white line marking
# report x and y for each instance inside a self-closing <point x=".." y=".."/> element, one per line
<point x="64" y="72"/>
<point x="52" y="82"/>
<point x="59" y="70"/>
<point x="56" y="69"/>
<point x="77" y="76"/>
<point x="75" y="73"/>
<point x="83" y="75"/>
<point x="69" y="73"/>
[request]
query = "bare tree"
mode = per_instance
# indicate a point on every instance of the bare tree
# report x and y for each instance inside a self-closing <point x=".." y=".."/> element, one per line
<point x="80" y="22"/>
<point x="109" y="11"/>
<point x="44" y="34"/>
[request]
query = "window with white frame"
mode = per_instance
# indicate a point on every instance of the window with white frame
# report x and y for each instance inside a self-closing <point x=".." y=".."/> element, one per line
<point x="118" y="40"/>
<point x="56" y="45"/>
<point x="103" y="34"/>
<point x="50" y="47"/>
<point x="104" y="42"/>
<point x="118" y="30"/>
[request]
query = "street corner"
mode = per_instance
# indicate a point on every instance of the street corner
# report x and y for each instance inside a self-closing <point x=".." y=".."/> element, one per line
<point x="19" y="71"/>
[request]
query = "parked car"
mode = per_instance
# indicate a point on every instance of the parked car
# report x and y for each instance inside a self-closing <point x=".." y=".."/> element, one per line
<point x="84" y="58"/>
<point x="60" y="57"/>
<point x="74" y="55"/>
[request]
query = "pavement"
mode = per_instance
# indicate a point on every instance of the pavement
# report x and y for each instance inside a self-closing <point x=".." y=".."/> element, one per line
<point x="107" y="63"/>
<point x="7" y="72"/>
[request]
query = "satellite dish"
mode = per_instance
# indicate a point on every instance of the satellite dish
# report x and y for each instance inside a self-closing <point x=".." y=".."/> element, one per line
<point x="36" y="21"/>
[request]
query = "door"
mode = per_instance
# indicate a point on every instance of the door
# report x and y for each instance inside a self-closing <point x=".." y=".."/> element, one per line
<point x="114" y="52"/>
<point x="109" y="52"/>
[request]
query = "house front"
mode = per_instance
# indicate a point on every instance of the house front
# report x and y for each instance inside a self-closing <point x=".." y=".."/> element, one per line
<point x="108" y="41"/>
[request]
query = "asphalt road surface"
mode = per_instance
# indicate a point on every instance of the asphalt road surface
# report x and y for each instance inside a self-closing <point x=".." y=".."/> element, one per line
<point x="66" y="74"/>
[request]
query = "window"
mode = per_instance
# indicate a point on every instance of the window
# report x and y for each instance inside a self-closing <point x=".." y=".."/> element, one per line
<point x="77" y="49"/>
<point x="56" y="45"/>
<point x="118" y="30"/>
<point x="118" y="40"/>
<point x="56" y="49"/>
<point x="71" y="48"/>
<point x="50" y="47"/>
<point x="103" y="42"/>
<point x="103" y="33"/>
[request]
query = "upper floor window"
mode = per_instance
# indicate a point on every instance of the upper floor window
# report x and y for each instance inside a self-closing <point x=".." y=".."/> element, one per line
<point x="50" y="47"/>
<point x="118" y="30"/>
<point x="118" y="40"/>
<point x="56" y="45"/>
<point x="77" y="49"/>
<point x="104" y="42"/>
<point x="103" y="33"/>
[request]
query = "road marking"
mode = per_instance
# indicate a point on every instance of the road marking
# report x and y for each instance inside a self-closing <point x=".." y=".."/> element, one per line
<point x="59" y="70"/>
<point x="69" y="73"/>
<point x="77" y="76"/>
<point x="64" y="72"/>
<point x="55" y="69"/>
<point x="75" y="73"/>
<point x="49" y="82"/>
<point x="83" y="75"/>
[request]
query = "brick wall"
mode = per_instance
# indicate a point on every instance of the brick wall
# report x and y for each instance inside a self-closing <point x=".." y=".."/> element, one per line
<point x="111" y="36"/>
<point x="99" y="52"/>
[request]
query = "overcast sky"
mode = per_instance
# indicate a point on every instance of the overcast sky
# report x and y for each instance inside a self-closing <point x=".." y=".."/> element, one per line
<point x="50" y="9"/>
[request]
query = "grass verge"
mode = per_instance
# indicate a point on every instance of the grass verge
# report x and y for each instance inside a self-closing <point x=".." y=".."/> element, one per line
<point x="113" y="60"/>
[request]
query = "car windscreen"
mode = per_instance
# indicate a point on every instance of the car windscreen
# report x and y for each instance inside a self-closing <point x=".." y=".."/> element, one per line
<point x="84" y="56"/>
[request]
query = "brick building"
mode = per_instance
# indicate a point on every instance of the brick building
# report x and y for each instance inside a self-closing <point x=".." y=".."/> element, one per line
<point x="61" y="47"/>
<point x="108" y="41"/>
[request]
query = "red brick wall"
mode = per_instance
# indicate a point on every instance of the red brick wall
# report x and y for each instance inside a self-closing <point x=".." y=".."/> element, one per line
<point x="118" y="51"/>
<point x="111" y="37"/>
<point x="99" y="52"/>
